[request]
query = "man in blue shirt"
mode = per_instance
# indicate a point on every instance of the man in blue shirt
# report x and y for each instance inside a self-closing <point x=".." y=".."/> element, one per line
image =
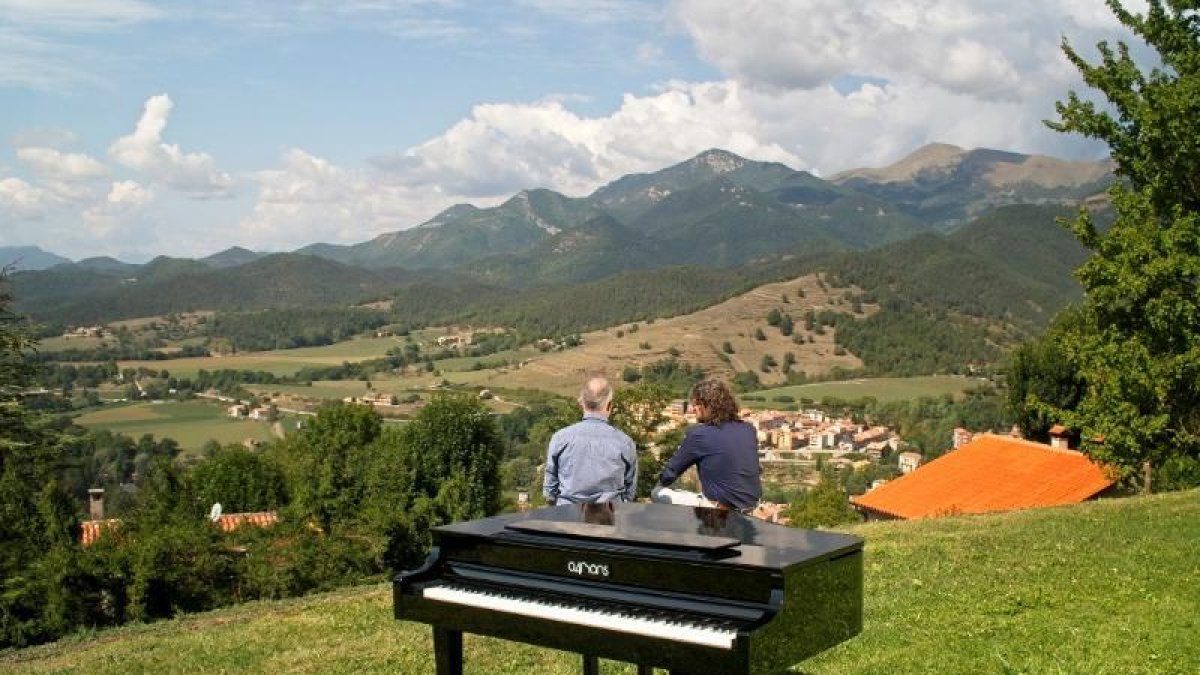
<point x="591" y="461"/>
<point x="724" y="450"/>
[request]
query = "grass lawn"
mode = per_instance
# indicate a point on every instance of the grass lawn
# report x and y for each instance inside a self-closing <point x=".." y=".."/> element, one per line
<point x="190" y="423"/>
<point x="885" y="389"/>
<point x="1106" y="587"/>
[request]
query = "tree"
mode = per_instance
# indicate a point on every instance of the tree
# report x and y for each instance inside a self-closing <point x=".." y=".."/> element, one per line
<point x="1041" y="376"/>
<point x="240" y="480"/>
<point x="786" y="325"/>
<point x="1136" y="346"/>
<point x="823" y="506"/>
<point x="442" y="467"/>
<point x="639" y="411"/>
<point x="328" y="459"/>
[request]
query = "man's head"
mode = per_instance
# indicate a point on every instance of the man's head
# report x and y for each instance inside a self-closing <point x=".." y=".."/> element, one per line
<point x="596" y="395"/>
<point x="713" y="402"/>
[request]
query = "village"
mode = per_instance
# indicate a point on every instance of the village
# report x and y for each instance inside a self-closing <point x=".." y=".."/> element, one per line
<point x="793" y="446"/>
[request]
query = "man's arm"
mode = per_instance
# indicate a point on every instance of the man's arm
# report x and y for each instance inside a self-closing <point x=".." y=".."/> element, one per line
<point x="550" y="486"/>
<point x="631" y="471"/>
<point x="687" y="455"/>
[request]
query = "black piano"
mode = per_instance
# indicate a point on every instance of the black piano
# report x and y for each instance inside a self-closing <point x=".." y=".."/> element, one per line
<point x="690" y="590"/>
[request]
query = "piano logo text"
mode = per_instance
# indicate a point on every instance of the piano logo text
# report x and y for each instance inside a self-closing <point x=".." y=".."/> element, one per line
<point x="587" y="569"/>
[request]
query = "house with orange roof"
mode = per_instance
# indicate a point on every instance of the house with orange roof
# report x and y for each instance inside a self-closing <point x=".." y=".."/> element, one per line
<point x="229" y="522"/>
<point x="991" y="473"/>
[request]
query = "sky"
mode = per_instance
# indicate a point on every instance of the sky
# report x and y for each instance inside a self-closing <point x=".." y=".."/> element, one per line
<point x="136" y="128"/>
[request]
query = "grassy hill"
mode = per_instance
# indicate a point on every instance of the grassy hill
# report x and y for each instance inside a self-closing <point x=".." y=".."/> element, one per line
<point x="696" y="339"/>
<point x="1105" y="587"/>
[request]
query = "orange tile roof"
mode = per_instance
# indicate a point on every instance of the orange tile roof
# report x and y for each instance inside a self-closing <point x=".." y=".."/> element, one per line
<point x="90" y="530"/>
<point x="232" y="521"/>
<point x="991" y="473"/>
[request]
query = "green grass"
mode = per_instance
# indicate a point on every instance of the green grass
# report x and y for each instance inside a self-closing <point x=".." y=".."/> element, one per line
<point x="190" y="423"/>
<point x="1105" y="587"/>
<point x="884" y="389"/>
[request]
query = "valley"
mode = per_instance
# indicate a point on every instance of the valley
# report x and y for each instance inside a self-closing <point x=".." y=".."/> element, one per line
<point x="748" y="271"/>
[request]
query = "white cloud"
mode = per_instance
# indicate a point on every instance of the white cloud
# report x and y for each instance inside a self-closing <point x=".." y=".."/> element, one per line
<point x="125" y="200"/>
<point x="502" y="148"/>
<point x="23" y="200"/>
<point x="74" y="15"/>
<point x="194" y="174"/>
<point x="309" y="199"/>
<point x="993" y="49"/>
<point x="69" y="175"/>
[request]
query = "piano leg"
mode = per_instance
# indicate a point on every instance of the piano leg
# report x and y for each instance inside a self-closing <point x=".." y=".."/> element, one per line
<point x="591" y="665"/>
<point x="447" y="650"/>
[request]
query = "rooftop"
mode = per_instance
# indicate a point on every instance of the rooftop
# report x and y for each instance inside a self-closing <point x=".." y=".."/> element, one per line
<point x="991" y="473"/>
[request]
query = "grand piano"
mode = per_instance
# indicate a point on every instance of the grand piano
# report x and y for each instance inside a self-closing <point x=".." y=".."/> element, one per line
<point x="687" y="589"/>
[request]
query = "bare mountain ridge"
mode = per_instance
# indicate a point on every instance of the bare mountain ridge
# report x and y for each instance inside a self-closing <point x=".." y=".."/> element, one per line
<point x="997" y="168"/>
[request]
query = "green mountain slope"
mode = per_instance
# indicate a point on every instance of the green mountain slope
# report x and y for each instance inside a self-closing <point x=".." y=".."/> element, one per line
<point x="597" y="249"/>
<point x="232" y="257"/>
<point x="29" y="258"/>
<point x="463" y="233"/>
<point x="1102" y="587"/>
<point x="168" y="285"/>
<point x="1012" y="265"/>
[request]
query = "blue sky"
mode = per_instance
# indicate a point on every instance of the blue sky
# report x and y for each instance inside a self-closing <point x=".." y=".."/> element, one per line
<point x="137" y="127"/>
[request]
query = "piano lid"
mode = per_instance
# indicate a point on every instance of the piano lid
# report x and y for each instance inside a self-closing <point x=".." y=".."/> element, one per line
<point x="757" y="543"/>
<point x="624" y="535"/>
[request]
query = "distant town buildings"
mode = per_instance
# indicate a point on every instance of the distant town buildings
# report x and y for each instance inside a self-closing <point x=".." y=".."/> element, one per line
<point x="86" y="332"/>
<point x="909" y="461"/>
<point x="374" y="398"/>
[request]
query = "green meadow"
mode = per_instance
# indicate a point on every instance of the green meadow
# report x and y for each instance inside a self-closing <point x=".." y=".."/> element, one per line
<point x="190" y="423"/>
<point x="1103" y="587"/>
<point x="883" y="389"/>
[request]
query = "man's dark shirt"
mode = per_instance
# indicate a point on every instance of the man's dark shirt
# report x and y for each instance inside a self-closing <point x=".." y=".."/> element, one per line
<point x="727" y="460"/>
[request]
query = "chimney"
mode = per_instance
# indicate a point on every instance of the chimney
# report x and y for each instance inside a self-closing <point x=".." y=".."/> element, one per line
<point x="1059" y="438"/>
<point x="96" y="503"/>
<point x="961" y="437"/>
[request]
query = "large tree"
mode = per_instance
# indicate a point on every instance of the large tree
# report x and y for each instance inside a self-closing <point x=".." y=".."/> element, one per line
<point x="1136" y="346"/>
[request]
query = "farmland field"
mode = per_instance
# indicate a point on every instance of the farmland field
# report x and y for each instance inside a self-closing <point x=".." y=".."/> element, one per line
<point x="190" y="423"/>
<point x="278" y="362"/>
<point x="883" y="389"/>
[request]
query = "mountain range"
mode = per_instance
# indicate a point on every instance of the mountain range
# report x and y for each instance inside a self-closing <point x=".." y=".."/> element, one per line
<point x="721" y="209"/>
<point x="942" y="211"/>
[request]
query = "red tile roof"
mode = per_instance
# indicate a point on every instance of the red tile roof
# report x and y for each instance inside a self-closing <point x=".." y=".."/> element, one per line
<point x="991" y="473"/>
<point x="89" y="530"/>
<point x="232" y="521"/>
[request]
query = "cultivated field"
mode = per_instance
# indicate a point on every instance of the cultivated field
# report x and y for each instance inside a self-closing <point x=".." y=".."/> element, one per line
<point x="883" y="389"/>
<point x="278" y="362"/>
<point x="190" y="423"/>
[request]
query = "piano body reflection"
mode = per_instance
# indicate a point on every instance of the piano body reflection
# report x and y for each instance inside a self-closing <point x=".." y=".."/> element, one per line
<point x="691" y="590"/>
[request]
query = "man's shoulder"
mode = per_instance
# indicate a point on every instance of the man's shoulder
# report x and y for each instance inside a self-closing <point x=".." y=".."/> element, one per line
<point x="565" y="431"/>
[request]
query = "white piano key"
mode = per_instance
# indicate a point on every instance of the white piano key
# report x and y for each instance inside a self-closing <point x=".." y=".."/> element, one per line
<point x="678" y="630"/>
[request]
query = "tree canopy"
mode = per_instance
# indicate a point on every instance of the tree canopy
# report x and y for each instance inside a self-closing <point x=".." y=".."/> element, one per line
<point x="1136" y="343"/>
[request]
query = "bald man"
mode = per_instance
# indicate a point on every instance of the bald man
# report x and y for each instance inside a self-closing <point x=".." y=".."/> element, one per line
<point x="591" y="461"/>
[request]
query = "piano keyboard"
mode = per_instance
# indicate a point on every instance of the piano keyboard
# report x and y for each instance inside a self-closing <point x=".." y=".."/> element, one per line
<point x="710" y="633"/>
